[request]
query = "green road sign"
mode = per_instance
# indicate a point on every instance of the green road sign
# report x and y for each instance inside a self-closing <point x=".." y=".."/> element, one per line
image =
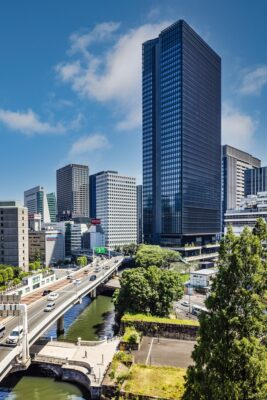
<point x="101" y="250"/>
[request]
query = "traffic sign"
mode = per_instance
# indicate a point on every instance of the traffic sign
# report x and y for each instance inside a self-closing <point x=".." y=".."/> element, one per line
<point x="100" y="250"/>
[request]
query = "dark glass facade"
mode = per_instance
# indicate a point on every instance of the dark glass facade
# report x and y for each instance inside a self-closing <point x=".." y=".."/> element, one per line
<point x="181" y="138"/>
<point x="255" y="180"/>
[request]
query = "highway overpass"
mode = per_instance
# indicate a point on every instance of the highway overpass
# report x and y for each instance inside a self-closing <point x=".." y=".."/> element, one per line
<point x="40" y="321"/>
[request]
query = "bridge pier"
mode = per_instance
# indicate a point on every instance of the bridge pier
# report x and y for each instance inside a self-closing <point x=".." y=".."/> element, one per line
<point x="93" y="294"/>
<point x="60" y="325"/>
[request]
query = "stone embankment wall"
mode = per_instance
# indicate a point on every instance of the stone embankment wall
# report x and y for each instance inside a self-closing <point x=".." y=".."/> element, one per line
<point x="167" y="330"/>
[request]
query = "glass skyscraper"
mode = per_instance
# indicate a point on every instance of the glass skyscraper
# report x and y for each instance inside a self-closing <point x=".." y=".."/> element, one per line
<point x="181" y="138"/>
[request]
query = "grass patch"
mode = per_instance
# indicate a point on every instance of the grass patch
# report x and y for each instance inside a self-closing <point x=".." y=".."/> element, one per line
<point x="162" y="382"/>
<point x="119" y="366"/>
<point x="158" y="320"/>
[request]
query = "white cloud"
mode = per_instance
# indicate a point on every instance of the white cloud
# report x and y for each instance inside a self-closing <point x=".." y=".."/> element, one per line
<point x="86" y="144"/>
<point x="253" y="80"/>
<point x="28" y="122"/>
<point x="112" y="76"/>
<point x="237" y="128"/>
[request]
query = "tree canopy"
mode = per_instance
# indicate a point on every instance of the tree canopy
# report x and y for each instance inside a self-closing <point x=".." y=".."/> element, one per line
<point x="230" y="356"/>
<point x="81" y="261"/>
<point x="149" y="255"/>
<point x="150" y="290"/>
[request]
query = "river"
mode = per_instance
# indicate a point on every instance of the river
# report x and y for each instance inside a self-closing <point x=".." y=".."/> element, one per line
<point x="91" y="320"/>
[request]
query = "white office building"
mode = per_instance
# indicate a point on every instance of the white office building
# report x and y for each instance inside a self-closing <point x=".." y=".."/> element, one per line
<point x="14" y="234"/>
<point x="116" y="208"/>
<point x="251" y="208"/>
<point x="94" y="237"/>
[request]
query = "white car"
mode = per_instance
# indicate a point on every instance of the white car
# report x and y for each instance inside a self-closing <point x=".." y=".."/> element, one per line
<point x="15" y="335"/>
<point x="77" y="281"/>
<point x="185" y="303"/>
<point x="49" y="307"/>
<point x="53" y="296"/>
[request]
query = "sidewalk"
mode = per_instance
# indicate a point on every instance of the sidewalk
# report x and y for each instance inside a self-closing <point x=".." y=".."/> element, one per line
<point x="97" y="357"/>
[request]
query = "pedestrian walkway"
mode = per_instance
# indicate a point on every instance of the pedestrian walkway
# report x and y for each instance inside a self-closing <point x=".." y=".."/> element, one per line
<point x="96" y="356"/>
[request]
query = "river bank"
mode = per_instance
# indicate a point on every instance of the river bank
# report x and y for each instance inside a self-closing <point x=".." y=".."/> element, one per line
<point x="90" y="320"/>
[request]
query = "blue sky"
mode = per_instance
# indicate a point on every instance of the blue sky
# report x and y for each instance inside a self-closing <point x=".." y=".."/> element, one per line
<point x="70" y="81"/>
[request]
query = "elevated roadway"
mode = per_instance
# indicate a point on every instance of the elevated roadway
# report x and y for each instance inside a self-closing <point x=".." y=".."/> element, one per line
<point x="39" y="321"/>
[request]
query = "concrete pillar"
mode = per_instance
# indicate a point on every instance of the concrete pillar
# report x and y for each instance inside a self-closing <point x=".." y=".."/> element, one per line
<point x="93" y="294"/>
<point x="60" y="325"/>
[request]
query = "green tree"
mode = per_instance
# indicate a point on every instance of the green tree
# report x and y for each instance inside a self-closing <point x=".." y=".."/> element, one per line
<point x="4" y="275"/>
<point x="129" y="249"/>
<point x="16" y="281"/>
<point x="230" y="358"/>
<point x="81" y="261"/>
<point x="260" y="229"/>
<point x="149" y="255"/>
<point x="10" y="273"/>
<point x="150" y="290"/>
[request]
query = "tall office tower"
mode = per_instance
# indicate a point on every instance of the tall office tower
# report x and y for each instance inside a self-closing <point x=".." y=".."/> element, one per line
<point x="14" y="234"/>
<point x="234" y="164"/>
<point x="255" y="180"/>
<point x="73" y="192"/>
<point x="181" y="138"/>
<point x="116" y="207"/>
<point x="52" y="206"/>
<point x="139" y="195"/>
<point x="36" y="202"/>
<point x="92" y="192"/>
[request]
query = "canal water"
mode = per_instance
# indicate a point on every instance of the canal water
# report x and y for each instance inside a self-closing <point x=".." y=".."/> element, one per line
<point x="90" y="320"/>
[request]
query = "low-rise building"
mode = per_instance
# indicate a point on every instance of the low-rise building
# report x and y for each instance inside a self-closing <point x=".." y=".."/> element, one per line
<point x="48" y="245"/>
<point x="202" y="278"/>
<point x="251" y="208"/>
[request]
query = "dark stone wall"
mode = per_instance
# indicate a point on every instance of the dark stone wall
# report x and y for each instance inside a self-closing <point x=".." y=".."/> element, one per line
<point x="171" y="331"/>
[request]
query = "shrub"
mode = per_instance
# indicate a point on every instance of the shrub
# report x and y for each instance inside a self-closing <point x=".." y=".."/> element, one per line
<point x="131" y="335"/>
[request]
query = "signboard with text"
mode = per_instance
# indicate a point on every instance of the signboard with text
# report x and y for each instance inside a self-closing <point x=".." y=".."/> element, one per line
<point x="100" y="250"/>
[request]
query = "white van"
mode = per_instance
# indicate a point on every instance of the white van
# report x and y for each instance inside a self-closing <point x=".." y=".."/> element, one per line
<point x="15" y="335"/>
<point x="2" y="330"/>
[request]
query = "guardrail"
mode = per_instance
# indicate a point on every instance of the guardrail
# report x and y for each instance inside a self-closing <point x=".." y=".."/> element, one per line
<point x="61" y="361"/>
<point x="7" y="363"/>
<point x="42" y="327"/>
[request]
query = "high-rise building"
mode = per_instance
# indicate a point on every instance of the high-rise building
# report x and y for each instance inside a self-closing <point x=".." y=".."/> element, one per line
<point x="52" y="206"/>
<point x="234" y="164"/>
<point x="36" y="201"/>
<point x="14" y="234"/>
<point x="116" y="207"/>
<point x="139" y="195"/>
<point x="73" y="192"/>
<point x="92" y="192"/>
<point x="255" y="180"/>
<point x="181" y="138"/>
